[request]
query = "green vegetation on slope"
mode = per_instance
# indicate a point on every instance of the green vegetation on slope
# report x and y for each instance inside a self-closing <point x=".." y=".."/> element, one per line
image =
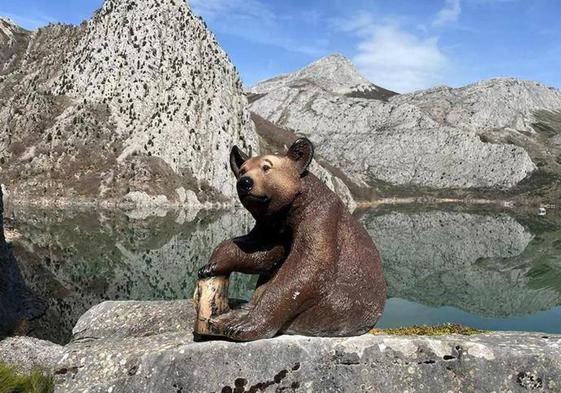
<point x="13" y="382"/>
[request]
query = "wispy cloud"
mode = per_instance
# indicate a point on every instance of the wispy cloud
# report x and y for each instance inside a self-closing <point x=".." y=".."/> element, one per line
<point x="212" y="9"/>
<point x="448" y="14"/>
<point x="393" y="57"/>
<point x="255" y="21"/>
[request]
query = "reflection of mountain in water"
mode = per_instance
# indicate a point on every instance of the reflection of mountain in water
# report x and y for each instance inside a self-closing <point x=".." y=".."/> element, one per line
<point x="490" y="265"/>
<point x="18" y="304"/>
<point x="79" y="259"/>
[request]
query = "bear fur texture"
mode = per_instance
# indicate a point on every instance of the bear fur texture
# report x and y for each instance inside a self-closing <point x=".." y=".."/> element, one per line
<point x="320" y="273"/>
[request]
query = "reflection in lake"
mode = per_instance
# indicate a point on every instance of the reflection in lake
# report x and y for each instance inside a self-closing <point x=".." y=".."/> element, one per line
<point x="485" y="269"/>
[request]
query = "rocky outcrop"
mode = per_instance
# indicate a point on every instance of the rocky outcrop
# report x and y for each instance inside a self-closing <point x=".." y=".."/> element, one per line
<point x="483" y="136"/>
<point x="117" y="350"/>
<point x="494" y="105"/>
<point x="138" y="99"/>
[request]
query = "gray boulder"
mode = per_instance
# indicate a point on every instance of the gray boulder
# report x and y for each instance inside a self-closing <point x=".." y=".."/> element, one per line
<point x="26" y="353"/>
<point x="158" y="355"/>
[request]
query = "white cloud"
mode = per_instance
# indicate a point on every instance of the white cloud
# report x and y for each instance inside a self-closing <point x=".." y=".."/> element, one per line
<point x="393" y="57"/>
<point x="255" y="21"/>
<point x="448" y="14"/>
<point x="400" y="61"/>
<point x="211" y="9"/>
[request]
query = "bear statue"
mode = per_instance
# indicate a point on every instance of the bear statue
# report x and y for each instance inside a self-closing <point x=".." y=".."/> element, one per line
<point x="320" y="273"/>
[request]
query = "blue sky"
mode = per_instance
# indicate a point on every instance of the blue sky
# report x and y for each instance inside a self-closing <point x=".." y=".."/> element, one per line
<point x="400" y="44"/>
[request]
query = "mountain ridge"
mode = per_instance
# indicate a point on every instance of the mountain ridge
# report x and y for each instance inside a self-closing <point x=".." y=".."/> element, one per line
<point x="118" y="121"/>
<point x="137" y="106"/>
<point x="334" y="73"/>
<point x="478" y="139"/>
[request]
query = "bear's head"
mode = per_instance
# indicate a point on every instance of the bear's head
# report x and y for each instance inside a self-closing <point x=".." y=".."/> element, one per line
<point x="267" y="184"/>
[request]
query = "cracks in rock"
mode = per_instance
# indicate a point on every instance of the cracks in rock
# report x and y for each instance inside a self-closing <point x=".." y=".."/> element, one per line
<point x="241" y="384"/>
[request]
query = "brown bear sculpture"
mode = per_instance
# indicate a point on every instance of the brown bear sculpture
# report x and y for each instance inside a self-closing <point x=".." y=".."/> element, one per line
<point x="319" y="271"/>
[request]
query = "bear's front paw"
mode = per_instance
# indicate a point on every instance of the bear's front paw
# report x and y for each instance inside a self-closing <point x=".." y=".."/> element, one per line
<point x="246" y="328"/>
<point x="207" y="270"/>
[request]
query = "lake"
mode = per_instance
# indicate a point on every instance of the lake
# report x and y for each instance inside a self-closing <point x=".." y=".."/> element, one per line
<point x="490" y="269"/>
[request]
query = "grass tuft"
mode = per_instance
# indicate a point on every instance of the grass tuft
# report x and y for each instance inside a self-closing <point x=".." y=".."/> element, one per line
<point x="438" y="330"/>
<point x="35" y="382"/>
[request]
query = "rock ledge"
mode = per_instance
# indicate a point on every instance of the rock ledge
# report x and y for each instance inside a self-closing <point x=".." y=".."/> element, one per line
<point x="148" y="347"/>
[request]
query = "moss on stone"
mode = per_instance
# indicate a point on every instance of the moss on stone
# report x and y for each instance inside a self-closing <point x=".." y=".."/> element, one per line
<point x="438" y="330"/>
<point x="35" y="382"/>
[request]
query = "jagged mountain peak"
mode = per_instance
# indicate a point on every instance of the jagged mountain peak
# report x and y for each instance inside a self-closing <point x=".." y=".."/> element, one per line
<point x="13" y="41"/>
<point x="334" y="73"/>
<point x="145" y="6"/>
<point x="141" y="95"/>
<point x="8" y="31"/>
<point x="6" y="22"/>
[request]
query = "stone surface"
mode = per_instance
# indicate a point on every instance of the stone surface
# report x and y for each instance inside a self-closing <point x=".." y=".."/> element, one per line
<point x="114" y="320"/>
<point x="159" y="355"/>
<point x="482" y="136"/>
<point x="170" y="361"/>
<point x="13" y="41"/>
<point x="27" y="353"/>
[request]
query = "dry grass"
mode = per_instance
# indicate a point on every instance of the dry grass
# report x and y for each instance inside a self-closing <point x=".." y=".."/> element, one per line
<point x="438" y="330"/>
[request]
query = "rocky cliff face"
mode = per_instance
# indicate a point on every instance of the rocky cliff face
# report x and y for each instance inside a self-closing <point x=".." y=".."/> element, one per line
<point x="13" y="41"/>
<point x="138" y="99"/>
<point x="138" y="104"/>
<point x="485" y="136"/>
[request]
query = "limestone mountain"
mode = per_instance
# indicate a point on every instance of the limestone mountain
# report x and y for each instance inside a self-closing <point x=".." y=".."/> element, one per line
<point x="334" y="74"/>
<point x="497" y="136"/>
<point x="138" y="101"/>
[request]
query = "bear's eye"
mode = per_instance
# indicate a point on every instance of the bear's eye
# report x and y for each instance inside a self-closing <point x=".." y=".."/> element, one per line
<point x="266" y="168"/>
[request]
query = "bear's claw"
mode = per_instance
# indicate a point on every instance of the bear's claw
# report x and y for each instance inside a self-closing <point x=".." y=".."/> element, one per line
<point x="206" y="271"/>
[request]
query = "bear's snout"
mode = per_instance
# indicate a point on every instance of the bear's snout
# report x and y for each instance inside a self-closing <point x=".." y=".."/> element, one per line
<point x="245" y="184"/>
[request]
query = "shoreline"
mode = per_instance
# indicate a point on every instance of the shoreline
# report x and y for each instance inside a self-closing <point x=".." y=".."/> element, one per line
<point x="87" y="203"/>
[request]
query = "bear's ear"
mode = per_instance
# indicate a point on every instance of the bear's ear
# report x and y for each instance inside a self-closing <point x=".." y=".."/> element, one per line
<point x="301" y="152"/>
<point x="237" y="158"/>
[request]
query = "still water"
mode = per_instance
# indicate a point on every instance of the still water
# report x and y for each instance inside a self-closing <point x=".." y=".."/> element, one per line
<point x="498" y="270"/>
